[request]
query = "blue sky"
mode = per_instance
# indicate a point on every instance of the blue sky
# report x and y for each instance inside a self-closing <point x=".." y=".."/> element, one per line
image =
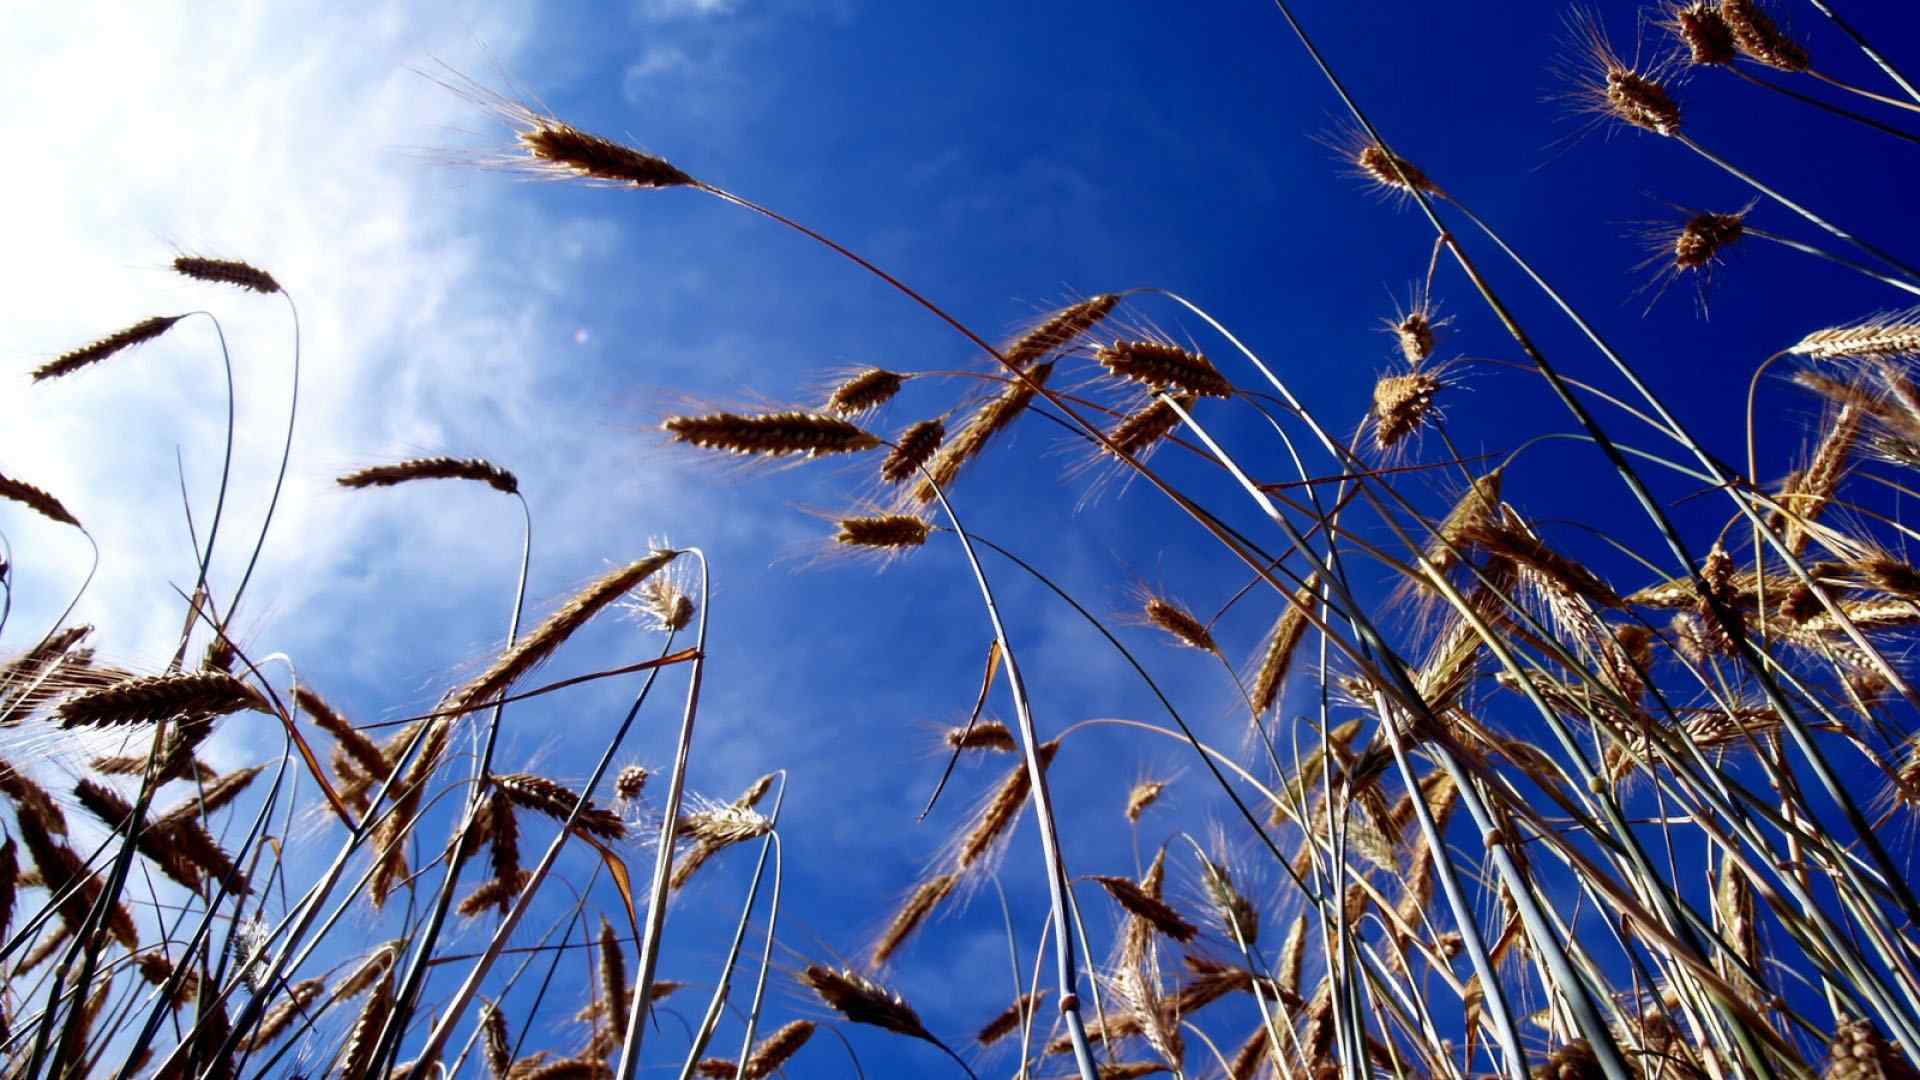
<point x="1003" y="157"/>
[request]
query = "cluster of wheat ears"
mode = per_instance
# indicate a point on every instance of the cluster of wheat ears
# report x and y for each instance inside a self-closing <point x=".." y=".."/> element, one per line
<point x="1675" y="774"/>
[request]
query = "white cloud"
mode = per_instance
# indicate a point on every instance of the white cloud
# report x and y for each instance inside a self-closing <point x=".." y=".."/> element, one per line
<point x="438" y="312"/>
<point x="682" y="9"/>
<point x="281" y="139"/>
<point x="659" y="60"/>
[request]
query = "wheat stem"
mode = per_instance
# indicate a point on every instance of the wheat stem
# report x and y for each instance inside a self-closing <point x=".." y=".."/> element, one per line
<point x="724" y="981"/>
<point x="415" y="977"/>
<point x="1866" y="47"/>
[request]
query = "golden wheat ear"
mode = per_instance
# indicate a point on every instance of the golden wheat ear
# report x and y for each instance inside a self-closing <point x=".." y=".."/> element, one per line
<point x="496" y="1044"/>
<point x="1139" y="432"/>
<point x="981" y="735"/>
<point x="1164" y="366"/>
<point x="1137" y="902"/>
<point x="1704" y="236"/>
<point x="566" y="150"/>
<point x="993" y="416"/>
<point x="1000" y="811"/>
<point x="541" y="643"/>
<point x="1703" y="31"/>
<point x="1141" y="796"/>
<point x="549" y="797"/>
<point x="1391" y="171"/>
<point x="1178" y="623"/>
<point x="1612" y="88"/>
<point x="864" y="392"/>
<point x="1059" y="330"/>
<point x="771" y="434"/>
<point x="885" y="532"/>
<point x="154" y="698"/>
<point x="631" y="782"/>
<point x="912" y="450"/>
<point x="1404" y="405"/>
<point x="776" y="1049"/>
<point x="1009" y="1018"/>
<point x="862" y="1001"/>
<point x="912" y="914"/>
<point x="1889" y="337"/>
<point x="1757" y="36"/>
<point x="1276" y="655"/>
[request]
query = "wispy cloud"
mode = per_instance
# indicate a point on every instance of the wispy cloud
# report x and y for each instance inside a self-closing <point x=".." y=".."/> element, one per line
<point x="683" y="9"/>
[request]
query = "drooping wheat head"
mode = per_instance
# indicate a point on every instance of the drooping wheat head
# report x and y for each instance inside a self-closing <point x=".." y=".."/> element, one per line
<point x="862" y="1001"/>
<point x="36" y="500"/>
<point x="556" y="148"/>
<point x="991" y="418"/>
<point x="226" y="272"/>
<point x="1009" y="1018"/>
<point x="94" y="352"/>
<point x="1164" y="366"/>
<point x="864" y="392"/>
<point x="433" y="468"/>
<point x="539" y="644"/>
<point x="911" y="915"/>
<point x="912" y="450"/>
<point x="777" y="1049"/>
<point x="557" y="801"/>
<point x="1002" y="808"/>
<point x="883" y="532"/>
<point x="1137" y="902"/>
<point x="1059" y="330"/>
<point x="1180" y="624"/>
<point x="151" y="699"/>
<point x="775" y="434"/>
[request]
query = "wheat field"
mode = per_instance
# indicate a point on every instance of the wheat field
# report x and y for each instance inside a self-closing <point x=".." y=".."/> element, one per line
<point x="1413" y="773"/>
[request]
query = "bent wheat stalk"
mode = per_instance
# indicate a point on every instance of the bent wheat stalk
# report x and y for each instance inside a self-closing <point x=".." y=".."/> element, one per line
<point x="462" y="997"/>
<point x="415" y="977"/>
<point x="724" y="981"/>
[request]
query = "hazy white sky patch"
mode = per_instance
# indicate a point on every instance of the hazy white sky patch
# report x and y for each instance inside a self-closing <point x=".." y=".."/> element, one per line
<point x="433" y="314"/>
<point x="681" y="9"/>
